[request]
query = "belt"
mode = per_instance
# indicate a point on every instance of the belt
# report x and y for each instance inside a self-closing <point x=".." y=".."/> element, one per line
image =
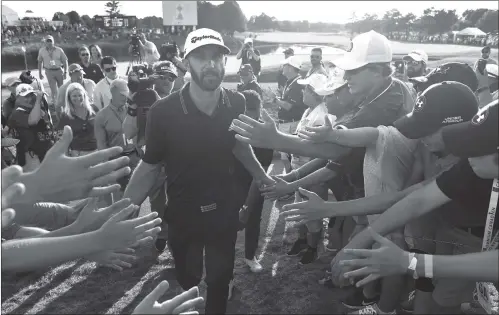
<point x="53" y="69"/>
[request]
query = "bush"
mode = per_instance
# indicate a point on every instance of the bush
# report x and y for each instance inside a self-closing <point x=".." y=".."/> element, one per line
<point x="13" y="59"/>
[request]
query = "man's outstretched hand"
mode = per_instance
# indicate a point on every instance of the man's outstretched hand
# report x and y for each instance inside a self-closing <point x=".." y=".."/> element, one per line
<point x="181" y="304"/>
<point x="61" y="178"/>
<point x="258" y="134"/>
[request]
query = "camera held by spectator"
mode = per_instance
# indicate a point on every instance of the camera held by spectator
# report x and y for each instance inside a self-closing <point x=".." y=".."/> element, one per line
<point x="135" y="43"/>
<point x="139" y="78"/>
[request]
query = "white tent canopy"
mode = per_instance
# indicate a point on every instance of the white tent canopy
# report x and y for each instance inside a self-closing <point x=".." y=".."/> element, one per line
<point x="9" y="16"/>
<point x="471" y="31"/>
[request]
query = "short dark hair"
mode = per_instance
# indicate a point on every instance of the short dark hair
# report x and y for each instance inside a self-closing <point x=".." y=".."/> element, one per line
<point x="317" y="49"/>
<point x="107" y="60"/>
<point x="253" y="100"/>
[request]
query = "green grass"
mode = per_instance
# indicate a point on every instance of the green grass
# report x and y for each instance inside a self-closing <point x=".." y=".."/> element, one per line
<point x="80" y="287"/>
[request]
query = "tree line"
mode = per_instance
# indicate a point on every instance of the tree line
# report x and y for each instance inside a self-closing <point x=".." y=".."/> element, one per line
<point x="431" y="22"/>
<point x="228" y="18"/>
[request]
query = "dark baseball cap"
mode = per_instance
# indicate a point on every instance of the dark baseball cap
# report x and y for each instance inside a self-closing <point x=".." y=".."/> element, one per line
<point x="452" y="71"/>
<point x="245" y="69"/>
<point x="440" y="105"/>
<point x="164" y="67"/>
<point x="289" y="51"/>
<point x="486" y="49"/>
<point x="477" y="137"/>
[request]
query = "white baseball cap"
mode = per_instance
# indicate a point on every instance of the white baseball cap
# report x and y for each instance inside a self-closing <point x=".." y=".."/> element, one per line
<point x="24" y="89"/>
<point x="202" y="37"/>
<point x="317" y="81"/>
<point x="248" y="40"/>
<point x="417" y="55"/>
<point x="293" y="61"/>
<point x="366" y="48"/>
<point x="334" y="82"/>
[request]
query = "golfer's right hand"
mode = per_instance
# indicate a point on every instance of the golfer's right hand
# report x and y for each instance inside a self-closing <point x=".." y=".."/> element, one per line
<point x="40" y="75"/>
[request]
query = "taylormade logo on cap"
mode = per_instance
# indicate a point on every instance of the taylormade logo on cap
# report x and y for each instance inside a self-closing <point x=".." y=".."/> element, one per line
<point x="195" y="39"/>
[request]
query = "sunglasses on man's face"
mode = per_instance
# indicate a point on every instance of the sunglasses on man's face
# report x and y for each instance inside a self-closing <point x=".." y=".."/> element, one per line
<point x="48" y="41"/>
<point x="109" y="69"/>
<point x="84" y="55"/>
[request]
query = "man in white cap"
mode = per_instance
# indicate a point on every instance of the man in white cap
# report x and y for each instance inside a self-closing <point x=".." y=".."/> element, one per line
<point x="189" y="134"/>
<point x="76" y="74"/>
<point x="55" y="63"/>
<point x="415" y="63"/>
<point x="251" y="56"/>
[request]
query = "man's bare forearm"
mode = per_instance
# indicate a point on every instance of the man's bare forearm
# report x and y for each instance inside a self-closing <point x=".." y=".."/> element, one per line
<point x="244" y="153"/>
<point x="298" y="146"/>
<point x="37" y="253"/>
<point x="317" y="177"/>
<point x="143" y="179"/>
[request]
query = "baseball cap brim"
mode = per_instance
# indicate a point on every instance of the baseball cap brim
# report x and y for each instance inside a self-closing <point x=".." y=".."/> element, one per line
<point x="225" y="49"/>
<point x="348" y="62"/>
<point x="26" y="93"/>
<point x="330" y="90"/>
<point x="412" y="128"/>
<point x="167" y="72"/>
<point x="77" y="70"/>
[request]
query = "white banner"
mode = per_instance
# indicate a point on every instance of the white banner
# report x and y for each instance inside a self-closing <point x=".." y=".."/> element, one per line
<point x="180" y="13"/>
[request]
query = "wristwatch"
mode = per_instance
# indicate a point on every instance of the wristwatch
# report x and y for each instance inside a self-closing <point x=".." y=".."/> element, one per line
<point x="413" y="261"/>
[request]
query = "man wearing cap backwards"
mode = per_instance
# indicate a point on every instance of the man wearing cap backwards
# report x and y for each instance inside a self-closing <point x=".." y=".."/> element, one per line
<point x="316" y="61"/>
<point x="55" y="63"/>
<point x="251" y="56"/>
<point x="188" y="132"/>
<point x="134" y="126"/>
<point x="76" y="74"/>
<point x="248" y="80"/>
<point x="32" y="124"/>
<point x="281" y="78"/>
<point x="486" y="55"/>
<point x="468" y="183"/>
<point x="390" y="164"/>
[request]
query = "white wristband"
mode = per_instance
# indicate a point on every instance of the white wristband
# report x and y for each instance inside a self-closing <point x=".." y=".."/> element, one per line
<point x="428" y="266"/>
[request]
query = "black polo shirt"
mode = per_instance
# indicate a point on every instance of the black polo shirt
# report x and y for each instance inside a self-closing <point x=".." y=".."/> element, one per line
<point x="93" y="72"/>
<point x="196" y="150"/>
<point x="293" y="94"/>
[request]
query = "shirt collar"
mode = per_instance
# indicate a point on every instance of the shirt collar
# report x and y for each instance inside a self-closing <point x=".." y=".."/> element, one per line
<point x="188" y="105"/>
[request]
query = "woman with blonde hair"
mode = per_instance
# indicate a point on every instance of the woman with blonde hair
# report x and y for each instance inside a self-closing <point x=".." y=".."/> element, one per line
<point x="95" y="54"/>
<point x="79" y="114"/>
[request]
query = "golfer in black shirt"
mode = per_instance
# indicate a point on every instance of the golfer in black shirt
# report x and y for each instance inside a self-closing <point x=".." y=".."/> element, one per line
<point x="188" y="132"/>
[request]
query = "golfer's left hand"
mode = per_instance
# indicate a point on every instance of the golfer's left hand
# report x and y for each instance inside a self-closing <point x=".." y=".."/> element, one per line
<point x="373" y="264"/>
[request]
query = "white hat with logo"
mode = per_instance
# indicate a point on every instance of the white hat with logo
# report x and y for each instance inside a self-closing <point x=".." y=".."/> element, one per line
<point x="317" y="81"/>
<point x="417" y="55"/>
<point x="366" y="48"/>
<point x="202" y="37"/>
<point x="334" y="82"/>
<point x="248" y="40"/>
<point x="293" y="61"/>
<point x="24" y="89"/>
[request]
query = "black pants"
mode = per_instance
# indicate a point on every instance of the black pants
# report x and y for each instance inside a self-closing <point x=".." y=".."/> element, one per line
<point x="219" y="249"/>
<point x="254" y="201"/>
